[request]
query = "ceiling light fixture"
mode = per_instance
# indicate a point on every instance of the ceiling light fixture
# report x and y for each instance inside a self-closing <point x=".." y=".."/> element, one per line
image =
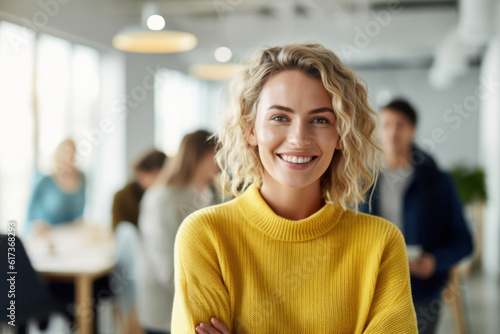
<point x="214" y="71"/>
<point x="223" y="54"/>
<point x="151" y="38"/>
<point x="156" y="22"/>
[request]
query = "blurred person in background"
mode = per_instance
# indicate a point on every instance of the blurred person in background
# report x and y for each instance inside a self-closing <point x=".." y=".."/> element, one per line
<point x="126" y="201"/>
<point x="422" y="201"/>
<point x="56" y="199"/>
<point x="185" y="185"/>
<point x="59" y="197"/>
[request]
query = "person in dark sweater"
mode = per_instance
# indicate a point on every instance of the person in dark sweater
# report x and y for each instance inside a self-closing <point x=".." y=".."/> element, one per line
<point x="126" y="201"/>
<point x="422" y="200"/>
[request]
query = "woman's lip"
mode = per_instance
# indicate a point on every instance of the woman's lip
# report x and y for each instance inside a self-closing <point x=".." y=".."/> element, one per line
<point x="298" y="154"/>
<point x="298" y="165"/>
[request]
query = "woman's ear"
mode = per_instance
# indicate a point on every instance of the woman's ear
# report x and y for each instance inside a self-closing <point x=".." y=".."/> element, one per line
<point x="252" y="137"/>
<point x="338" y="145"/>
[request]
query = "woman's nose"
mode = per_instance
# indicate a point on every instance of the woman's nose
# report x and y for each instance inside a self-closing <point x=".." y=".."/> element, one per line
<point x="299" y="135"/>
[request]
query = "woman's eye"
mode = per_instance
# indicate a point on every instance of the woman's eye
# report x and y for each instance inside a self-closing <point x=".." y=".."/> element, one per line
<point x="321" y="120"/>
<point x="278" y="118"/>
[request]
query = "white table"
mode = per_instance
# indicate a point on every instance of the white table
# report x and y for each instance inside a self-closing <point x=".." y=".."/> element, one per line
<point x="74" y="252"/>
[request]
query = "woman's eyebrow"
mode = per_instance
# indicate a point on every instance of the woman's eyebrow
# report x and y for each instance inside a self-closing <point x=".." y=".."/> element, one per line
<point x="314" y="111"/>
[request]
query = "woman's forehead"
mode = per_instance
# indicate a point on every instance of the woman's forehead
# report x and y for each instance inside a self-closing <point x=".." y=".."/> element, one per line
<point x="294" y="90"/>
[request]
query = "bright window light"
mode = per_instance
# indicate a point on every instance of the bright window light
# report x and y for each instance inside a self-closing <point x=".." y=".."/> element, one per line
<point x="17" y="149"/>
<point x="184" y="104"/>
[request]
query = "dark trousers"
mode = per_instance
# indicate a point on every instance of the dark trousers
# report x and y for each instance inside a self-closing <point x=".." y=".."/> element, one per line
<point x="155" y="332"/>
<point x="64" y="298"/>
<point x="428" y="314"/>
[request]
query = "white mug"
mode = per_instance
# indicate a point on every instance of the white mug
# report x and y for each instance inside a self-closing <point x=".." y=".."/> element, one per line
<point x="414" y="252"/>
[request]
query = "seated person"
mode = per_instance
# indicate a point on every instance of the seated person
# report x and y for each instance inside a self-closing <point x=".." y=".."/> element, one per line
<point x="59" y="197"/>
<point x="126" y="201"/>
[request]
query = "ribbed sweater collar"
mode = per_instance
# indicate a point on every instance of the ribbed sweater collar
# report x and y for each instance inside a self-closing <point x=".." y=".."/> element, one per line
<point x="257" y="212"/>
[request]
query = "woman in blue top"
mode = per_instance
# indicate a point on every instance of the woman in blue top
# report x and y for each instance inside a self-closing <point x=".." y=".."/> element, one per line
<point x="59" y="197"/>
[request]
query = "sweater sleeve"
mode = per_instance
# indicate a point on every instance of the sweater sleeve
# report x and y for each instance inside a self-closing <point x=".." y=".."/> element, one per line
<point x="392" y="309"/>
<point x="200" y="292"/>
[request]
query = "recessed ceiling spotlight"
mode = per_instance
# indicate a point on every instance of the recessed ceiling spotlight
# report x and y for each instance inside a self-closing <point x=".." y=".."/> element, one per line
<point x="223" y="54"/>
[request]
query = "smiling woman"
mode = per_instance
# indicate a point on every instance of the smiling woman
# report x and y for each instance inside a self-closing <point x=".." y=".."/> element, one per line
<point x="291" y="253"/>
<point x="329" y="84"/>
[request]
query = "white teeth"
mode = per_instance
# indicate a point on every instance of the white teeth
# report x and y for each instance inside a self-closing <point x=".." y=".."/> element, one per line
<point x="295" y="159"/>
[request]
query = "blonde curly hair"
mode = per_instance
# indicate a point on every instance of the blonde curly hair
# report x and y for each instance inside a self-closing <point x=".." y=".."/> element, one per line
<point x="353" y="169"/>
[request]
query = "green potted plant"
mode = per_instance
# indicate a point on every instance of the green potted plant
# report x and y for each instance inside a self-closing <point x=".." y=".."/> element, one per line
<point x="471" y="185"/>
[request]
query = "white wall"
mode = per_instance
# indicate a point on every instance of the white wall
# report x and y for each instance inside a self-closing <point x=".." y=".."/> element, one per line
<point x="490" y="146"/>
<point x="455" y="136"/>
<point x="140" y="101"/>
<point x="140" y="107"/>
<point x="108" y="135"/>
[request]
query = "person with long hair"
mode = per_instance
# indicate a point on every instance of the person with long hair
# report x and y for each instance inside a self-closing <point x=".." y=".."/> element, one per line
<point x="291" y="253"/>
<point x="185" y="184"/>
<point x="59" y="197"/>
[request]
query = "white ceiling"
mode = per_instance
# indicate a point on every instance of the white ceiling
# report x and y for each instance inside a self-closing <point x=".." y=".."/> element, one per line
<point x="411" y="34"/>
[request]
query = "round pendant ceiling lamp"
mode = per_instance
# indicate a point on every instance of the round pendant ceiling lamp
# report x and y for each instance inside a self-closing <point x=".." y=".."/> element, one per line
<point x="151" y="37"/>
<point x="140" y="40"/>
<point x="214" y="71"/>
<point x="221" y="70"/>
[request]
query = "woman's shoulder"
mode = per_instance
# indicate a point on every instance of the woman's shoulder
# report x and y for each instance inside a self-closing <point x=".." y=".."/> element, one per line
<point x="157" y="195"/>
<point x="45" y="180"/>
<point x="214" y="212"/>
<point x="46" y="184"/>
<point x="209" y="218"/>
<point x="166" y="192"/>
<point x="365" y="223"/>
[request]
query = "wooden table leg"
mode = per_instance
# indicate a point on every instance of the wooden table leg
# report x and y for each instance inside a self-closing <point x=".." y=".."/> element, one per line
<point x="453" y="294"/>
<point x="84" y="304"/>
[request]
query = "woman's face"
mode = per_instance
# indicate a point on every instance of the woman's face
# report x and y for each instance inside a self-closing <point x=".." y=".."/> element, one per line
<point x="66" y="155"/>
<point x="294" y="129"/>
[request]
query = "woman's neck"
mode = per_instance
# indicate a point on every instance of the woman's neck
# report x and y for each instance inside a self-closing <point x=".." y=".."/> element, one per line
<point x="66" y="173"/>
<point x="68" y="180"/>
<point x="292" y="203"/>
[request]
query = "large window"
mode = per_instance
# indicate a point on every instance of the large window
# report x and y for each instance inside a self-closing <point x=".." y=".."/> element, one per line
<point x="184" y="104"/>
<point x="50" y="90"/>
<point x="17" y="139"/>
<point x="52" y="84"/>
<point x="68" y="91"/>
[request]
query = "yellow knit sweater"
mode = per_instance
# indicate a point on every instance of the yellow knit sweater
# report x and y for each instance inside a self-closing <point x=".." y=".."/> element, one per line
<point x="257" y="272"/>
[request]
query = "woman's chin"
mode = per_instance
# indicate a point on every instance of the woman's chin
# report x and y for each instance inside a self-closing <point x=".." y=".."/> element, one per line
<point x="297" y="184"/>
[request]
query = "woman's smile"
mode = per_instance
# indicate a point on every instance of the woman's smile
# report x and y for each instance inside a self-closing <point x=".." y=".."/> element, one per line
<point x="297" y="161"/>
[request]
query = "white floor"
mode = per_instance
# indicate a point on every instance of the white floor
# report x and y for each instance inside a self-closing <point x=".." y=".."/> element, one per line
<point x="482" y="306"/>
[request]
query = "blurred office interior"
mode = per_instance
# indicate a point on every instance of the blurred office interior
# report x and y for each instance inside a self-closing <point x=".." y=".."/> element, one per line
<point x="64" y="73"/>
